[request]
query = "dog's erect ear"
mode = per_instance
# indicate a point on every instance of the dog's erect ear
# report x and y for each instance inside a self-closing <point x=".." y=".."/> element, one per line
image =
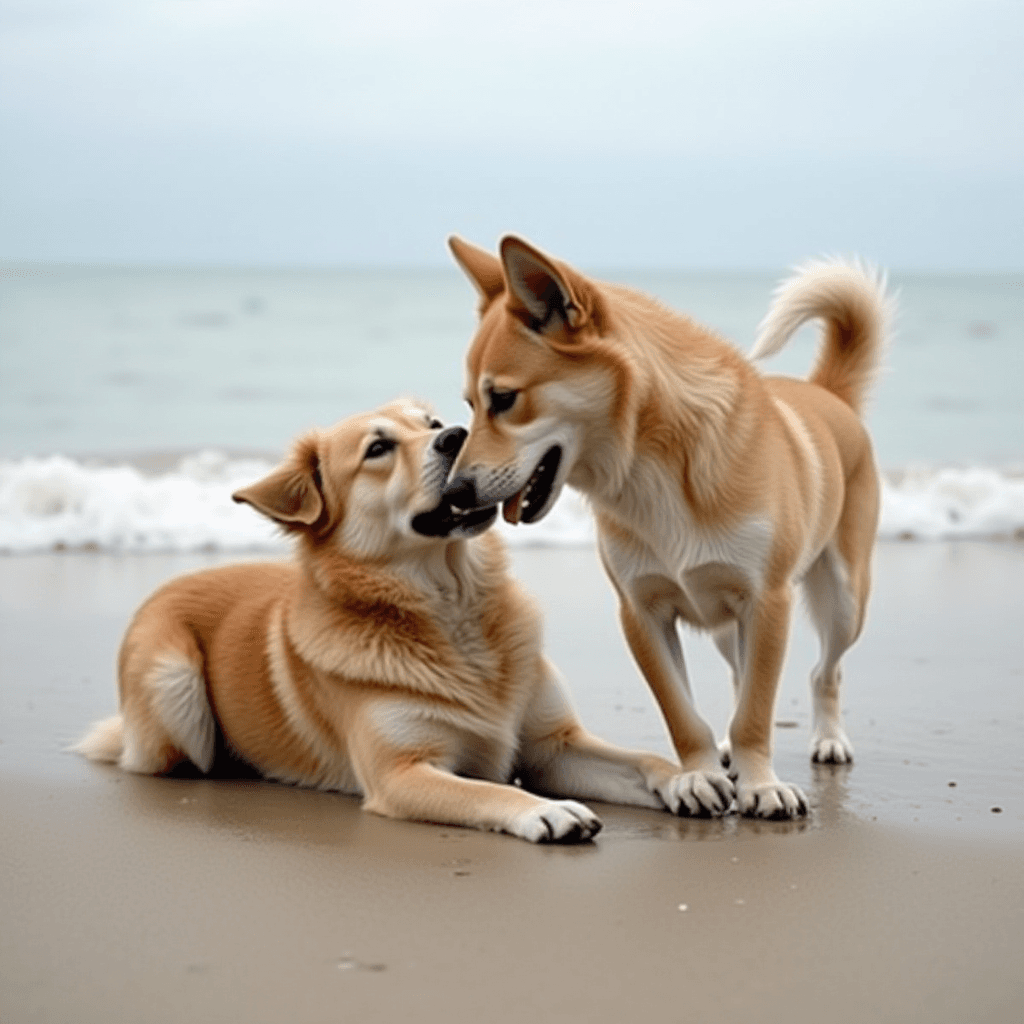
<point x="538" y="288"/>
<point x="481" y="267"/>
<point x="291" y="495"/>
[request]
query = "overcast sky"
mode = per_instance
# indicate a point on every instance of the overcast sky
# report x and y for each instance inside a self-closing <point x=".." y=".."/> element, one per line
<point x="648" y="133"/>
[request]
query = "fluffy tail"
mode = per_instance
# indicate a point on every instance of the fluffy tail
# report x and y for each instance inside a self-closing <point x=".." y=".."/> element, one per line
<point x="852" y="300"/>
<point x="104" y="741"/>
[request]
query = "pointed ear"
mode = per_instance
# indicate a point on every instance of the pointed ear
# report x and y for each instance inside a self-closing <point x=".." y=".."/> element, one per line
<point x="291" y="495"/>
<point x="538" y="288"/>
<point x="480" y="266"/>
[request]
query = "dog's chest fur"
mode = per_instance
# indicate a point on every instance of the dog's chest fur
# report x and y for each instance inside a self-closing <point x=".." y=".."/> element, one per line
<point x="467" y="638"/>
<point x="652" y="544"/>
<point x="458" y="617"/>
<point x="496" y="673"/>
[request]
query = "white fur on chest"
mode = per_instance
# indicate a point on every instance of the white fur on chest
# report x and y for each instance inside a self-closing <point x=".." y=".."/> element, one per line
<point x="668" y="542"/>
<point x="455" y="608"/>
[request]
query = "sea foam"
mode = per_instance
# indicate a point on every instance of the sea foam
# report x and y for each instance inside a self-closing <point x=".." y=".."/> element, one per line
<point x="59" y="503"/>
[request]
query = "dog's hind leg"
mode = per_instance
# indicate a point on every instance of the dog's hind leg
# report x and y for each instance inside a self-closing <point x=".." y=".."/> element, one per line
<point x="837" y="612"/>
<point x="175" y="720"/>
<point x="164" y="704"/>
<point x="837" y="588"/>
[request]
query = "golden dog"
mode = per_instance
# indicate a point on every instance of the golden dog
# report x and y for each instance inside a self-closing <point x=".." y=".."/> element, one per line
<point x="715" y="489"/>
<point x="395" y="658"/>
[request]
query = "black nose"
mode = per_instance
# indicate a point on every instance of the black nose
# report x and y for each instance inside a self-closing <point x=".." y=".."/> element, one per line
<point x="461" y="493"/>
<point x="449" y="441"/>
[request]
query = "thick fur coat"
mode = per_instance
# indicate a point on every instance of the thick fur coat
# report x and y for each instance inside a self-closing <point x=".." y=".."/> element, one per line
<point x="716" y="490"/>
<point x="394" y="658"/>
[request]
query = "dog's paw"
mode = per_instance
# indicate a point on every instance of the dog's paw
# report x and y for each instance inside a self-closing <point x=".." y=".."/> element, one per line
<point x="725" y="753"/>
<point x="777" y="801"/>
<point x="832" y="749"/>
<point x="557" y="821"/>
<point x="700" y="794"/>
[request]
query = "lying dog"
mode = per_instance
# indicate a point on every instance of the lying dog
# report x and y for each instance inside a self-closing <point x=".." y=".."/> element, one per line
<point x="395" y="659"/>
<point x="715" y="489"/>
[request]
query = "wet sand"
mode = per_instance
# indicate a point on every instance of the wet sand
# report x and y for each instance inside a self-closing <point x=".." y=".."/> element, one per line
<point x="900" y="899"/>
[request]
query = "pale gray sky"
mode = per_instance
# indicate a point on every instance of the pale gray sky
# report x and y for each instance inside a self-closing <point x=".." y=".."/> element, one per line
<point x="647" y="133"/>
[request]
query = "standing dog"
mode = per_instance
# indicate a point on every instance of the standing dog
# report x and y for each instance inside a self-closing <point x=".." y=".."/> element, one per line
<point x="715" y="489"/>
<point x="396" y="658"/>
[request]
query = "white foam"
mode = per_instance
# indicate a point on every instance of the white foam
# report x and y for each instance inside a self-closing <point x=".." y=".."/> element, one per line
<point x="57" y="503"/>
<point x="951" y="503"/>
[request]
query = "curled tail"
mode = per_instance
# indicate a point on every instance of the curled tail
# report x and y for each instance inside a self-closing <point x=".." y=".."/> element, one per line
<point x="852" y="300"/>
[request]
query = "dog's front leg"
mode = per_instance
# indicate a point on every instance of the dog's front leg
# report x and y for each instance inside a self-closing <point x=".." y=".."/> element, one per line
<point x="415" y="778"/>
<point x="703" y="788"/>
<point x="421" y="791"/>
<point x="763" y="632"/>
<point x="557" y="756"/>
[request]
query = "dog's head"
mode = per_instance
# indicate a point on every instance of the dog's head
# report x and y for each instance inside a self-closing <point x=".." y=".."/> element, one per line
<point x="538" y="379"/>
<point x="372" y="485"/>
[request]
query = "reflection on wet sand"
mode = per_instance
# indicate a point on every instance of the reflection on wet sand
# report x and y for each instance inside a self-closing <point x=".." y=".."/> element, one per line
<point x="249" y="809"/>
<point x="256" y="809"/>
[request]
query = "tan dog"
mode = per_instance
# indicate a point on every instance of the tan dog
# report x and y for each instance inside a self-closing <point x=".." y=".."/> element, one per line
<point x="396" y="658"/>
<point x="715" y="489"/>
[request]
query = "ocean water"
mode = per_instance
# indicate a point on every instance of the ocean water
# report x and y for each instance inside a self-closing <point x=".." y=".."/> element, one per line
<point x="132" y="400"/>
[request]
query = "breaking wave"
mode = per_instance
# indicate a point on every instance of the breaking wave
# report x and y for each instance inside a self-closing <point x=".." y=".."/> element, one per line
<point x="59" y="503"/>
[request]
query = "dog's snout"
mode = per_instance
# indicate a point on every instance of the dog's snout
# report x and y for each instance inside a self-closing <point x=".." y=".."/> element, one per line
<point x="461" y="493"/>
<point x="449" y="441"/>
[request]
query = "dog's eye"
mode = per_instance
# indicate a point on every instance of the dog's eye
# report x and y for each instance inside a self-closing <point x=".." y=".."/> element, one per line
<point x="502" y="401"/>
<point x="379" y="447"/>
<point x="436" y="424"/>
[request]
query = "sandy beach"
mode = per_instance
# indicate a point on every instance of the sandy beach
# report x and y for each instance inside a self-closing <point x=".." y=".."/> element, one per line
<point x="901" y="898"/>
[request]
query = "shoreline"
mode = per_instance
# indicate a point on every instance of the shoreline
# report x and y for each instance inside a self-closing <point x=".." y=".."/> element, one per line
<point x="900" y="899"/>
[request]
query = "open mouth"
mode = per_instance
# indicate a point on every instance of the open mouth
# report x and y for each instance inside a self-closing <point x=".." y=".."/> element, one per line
<point x="527" y="504"/>
<point x="445" y="521"/>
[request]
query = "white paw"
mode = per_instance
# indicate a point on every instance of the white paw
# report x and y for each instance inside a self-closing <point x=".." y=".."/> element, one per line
<point x="557" y="821"/>
<point x="832" y="749"/>
<point x="699" y="794"/>
<point x="775" y="800"/>
<point x="725" y="753"/>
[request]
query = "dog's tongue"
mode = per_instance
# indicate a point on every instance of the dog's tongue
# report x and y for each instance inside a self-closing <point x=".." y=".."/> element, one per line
<point x="512" y="509"/>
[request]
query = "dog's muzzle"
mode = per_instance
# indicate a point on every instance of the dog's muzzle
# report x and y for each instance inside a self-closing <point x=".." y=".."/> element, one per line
<point x="449" y="442"/>
<point x="461" y="492"/>
<point x="526" y="505"/>
<point x="450" y="519"/>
